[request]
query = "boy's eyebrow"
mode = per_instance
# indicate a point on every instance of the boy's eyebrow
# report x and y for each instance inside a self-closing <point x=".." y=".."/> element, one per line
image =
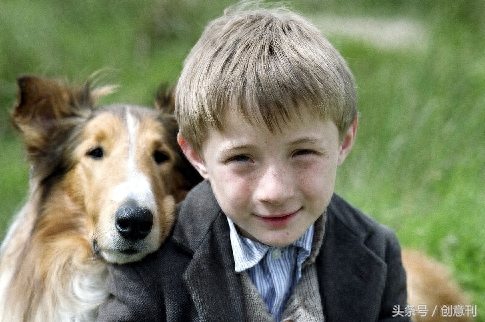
<point x="306" y="139"/>
<point x="310" y="141"/>
<point x="234" y="146"/>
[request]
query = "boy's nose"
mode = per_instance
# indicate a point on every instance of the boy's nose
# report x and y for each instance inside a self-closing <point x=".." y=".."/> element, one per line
<point x="275" y="185"/>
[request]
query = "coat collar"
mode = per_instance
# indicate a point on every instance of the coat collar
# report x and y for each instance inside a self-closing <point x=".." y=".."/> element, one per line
<point x="210" y="276"/>
<point x="196" y="215"/>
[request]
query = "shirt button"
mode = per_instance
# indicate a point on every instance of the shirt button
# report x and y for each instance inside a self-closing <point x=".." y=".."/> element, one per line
<point x="276" y="254"/>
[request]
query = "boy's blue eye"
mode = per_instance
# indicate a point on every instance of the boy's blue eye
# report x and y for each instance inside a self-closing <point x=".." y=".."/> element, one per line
<point x="304" y="152"/>
<point x="239" y="158"/>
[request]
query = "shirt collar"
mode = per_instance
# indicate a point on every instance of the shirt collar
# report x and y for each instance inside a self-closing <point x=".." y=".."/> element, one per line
<point x="247" y="253"/>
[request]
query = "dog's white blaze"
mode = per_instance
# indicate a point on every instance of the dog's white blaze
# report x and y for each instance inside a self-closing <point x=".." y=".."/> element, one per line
<point x="137" y="186"/>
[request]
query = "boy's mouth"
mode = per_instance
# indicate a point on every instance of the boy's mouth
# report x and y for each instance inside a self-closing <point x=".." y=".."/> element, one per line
<point x="280" y="219"/>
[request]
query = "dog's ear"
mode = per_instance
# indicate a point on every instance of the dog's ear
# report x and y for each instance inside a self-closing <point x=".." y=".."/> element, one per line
<point x="164" y="100"/>
<point x="41" y="104"/>
<point x="185" y="176"/>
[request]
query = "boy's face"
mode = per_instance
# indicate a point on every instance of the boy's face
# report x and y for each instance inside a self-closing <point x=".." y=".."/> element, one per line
<point x="272" y="185"/>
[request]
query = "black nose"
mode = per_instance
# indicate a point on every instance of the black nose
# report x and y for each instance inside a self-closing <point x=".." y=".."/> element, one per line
<point x="133" y="222"/>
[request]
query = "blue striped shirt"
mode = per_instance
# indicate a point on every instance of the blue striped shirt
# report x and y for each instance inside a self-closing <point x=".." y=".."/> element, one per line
<point x="274" y="271"/>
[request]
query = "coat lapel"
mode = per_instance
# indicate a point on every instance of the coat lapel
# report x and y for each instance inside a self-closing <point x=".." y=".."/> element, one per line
<point x="212" y="280"/>
<point x="352" y="278"/>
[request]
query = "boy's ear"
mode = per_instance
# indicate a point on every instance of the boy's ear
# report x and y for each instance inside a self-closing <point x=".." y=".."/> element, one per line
<point x="348" y="141"/>
<point x="193" y="156"/>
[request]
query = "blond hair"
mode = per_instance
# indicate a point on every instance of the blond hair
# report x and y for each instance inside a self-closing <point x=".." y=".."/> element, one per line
<point x="266" y="63"/>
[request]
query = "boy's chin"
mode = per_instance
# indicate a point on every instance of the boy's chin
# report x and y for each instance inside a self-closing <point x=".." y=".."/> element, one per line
<point x="276" y="238"/>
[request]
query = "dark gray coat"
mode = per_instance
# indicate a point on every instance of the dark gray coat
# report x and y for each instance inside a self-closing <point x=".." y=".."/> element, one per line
<point x="192" y="277"/>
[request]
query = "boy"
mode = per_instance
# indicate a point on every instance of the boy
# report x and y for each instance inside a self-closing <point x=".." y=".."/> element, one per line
<point x="267" y="112"/>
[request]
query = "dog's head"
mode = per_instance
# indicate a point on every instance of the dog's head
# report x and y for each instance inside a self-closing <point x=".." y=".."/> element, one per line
<point x="117" y="168"/>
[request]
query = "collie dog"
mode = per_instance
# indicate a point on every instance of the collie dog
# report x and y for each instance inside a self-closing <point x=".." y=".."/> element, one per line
<point x="103" y="185"/>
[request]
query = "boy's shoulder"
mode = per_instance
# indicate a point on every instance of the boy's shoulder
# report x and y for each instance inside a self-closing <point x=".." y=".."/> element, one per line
<point x="195" y="216"/>
<point x="353" y="220"/>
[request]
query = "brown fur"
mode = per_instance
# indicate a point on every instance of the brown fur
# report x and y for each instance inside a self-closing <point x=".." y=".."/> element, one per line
<point x="430" y="286"/>
<point x="87" y="163"/>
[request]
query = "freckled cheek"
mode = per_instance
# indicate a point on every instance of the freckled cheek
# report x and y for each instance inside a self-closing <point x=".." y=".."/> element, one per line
<point x="317" y="181"/>
<point x="232" y="190"/>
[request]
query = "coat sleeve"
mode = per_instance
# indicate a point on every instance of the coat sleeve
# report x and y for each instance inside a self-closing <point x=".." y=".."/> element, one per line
<point x="130" y="299"/>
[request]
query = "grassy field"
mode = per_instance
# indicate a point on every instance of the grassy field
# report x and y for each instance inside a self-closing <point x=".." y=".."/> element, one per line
<point x="419" y="162"/>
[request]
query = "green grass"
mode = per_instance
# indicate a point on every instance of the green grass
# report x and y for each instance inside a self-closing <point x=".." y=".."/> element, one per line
<point x="418" y="165"/>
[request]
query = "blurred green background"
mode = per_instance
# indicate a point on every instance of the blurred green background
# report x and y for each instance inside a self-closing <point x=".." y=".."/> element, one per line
<point x="419" y="162"/>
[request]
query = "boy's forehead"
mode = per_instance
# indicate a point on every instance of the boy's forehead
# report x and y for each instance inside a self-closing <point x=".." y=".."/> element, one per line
<point x="234" y="121"/>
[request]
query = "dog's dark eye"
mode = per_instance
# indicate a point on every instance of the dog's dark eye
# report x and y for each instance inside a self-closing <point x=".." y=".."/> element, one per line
<point x="160" y="156"/>
<point x="96" y="153"/>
